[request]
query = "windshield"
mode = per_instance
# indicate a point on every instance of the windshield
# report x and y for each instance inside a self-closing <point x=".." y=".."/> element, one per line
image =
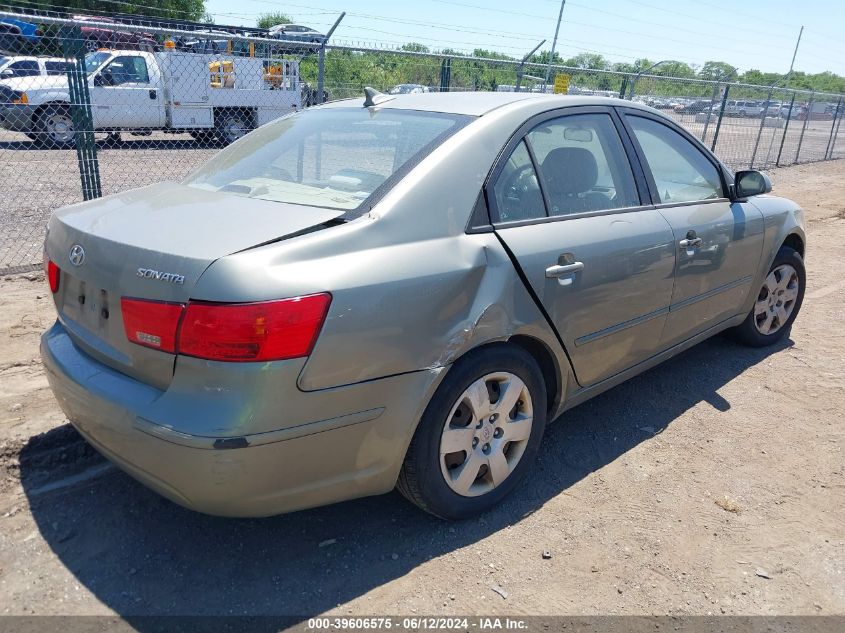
<point x="94" y="60"/>
<point x="336" y="157"/>
<point x="4" y="61"/>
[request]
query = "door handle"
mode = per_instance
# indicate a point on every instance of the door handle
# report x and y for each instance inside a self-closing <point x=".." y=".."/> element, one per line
<point x="693" y="242"/>
<point x="152" y="94"/>
<point x="558" y="270"/>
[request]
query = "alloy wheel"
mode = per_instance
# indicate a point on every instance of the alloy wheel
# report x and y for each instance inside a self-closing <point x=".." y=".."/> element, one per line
<point x="485" y="434"/>
<point x="776" y="300"/>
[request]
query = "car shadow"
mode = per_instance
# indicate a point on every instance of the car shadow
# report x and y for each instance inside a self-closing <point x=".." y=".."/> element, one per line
<point x="142" y="555"/>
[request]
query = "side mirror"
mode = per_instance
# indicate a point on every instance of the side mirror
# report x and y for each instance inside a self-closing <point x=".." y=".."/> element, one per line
<point x="8" y="73"/>
<point x="751" y="183"/>
<point x="100" y="80"/>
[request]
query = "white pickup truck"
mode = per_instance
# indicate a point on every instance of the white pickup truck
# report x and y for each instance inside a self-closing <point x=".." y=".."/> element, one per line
<point x="207" y="95"/>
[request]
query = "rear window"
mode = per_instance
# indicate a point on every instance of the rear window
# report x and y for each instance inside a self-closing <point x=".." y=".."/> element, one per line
<point x="340" y="158"/>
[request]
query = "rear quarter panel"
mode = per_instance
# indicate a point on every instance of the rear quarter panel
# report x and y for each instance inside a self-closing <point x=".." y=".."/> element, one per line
<point x="411" y="289"/>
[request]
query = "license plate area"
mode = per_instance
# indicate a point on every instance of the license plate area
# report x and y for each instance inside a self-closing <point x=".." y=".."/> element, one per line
<point x="89" y="306"/>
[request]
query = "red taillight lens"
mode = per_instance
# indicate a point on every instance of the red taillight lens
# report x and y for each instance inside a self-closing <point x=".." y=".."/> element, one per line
<point x="53" y="274"/>
<point x="269" y="330"/>
<point x="151" y="323"/>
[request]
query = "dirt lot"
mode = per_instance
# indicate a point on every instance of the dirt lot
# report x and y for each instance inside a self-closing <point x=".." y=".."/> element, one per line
<point x="711" y="484"/>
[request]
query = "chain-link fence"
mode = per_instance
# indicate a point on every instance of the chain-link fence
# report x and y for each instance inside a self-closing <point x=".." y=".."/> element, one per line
<point x="94" y="108"/>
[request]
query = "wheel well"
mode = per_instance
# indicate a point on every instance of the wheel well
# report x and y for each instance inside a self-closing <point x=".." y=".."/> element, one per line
<point x="40" y="109"/>
<point x="546" y="362"/>
<point x="794" y="241"/>
<point x="248" y="112"/>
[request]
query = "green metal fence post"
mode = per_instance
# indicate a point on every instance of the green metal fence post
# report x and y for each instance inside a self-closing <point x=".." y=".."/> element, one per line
<point x="721" y="115"/>
<point x="445" y="74"/>
<point x="785" y="129"/>
<point x="832" y="127"/>
<point x="836" y="133"/>
<point x="760" y="129"/>
<point x="710" y="111"/>
<point x="73" y="47"/>
<point x="804" y="127"/>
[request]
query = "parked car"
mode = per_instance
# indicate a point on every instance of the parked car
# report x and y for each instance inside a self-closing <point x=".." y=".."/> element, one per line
<point x="17" y="35"/>
<point x="169" y="90"/>
<point x="694" y="107"/>
<point x="113" y="37"/>
<point x="204" y="41"/>
<point x="741" y="108"/>
<point x="297" y="33"/>
<point x="405" y="89"/>
<point x="402" y="291"/>
<point x="11" y="67"/>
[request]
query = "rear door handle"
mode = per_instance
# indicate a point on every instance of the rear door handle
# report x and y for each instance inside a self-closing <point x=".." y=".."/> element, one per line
<point x="558" y="270"/>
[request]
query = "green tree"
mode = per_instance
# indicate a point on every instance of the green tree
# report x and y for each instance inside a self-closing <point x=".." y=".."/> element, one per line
<point x="714" y="71"/>
<point x="588" y="61"/>
<point x="193" y="10"/>
<point x="267" y="20"/>
<point x="415" y="47"/>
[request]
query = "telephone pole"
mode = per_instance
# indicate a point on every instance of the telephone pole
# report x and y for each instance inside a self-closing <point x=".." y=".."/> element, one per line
<point x="792" y="63"/>
<point x="554" y="44"/>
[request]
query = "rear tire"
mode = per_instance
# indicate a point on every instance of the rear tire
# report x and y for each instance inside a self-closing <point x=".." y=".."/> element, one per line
<point x="232" y="125"/>
<point x="468" y="452"/>
<point x="777" y="303"/>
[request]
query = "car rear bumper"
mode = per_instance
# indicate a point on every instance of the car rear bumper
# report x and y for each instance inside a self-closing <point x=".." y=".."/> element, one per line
<point x="248" y="474"/>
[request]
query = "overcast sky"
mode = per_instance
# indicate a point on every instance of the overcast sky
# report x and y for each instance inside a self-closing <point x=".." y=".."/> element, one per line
<point x="748" y="34"/>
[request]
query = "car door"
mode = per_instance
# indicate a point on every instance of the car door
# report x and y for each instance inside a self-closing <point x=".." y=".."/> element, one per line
<point x="125" y="94"/>
<point x="568" y="206"/>
<point x="718" y="242"/>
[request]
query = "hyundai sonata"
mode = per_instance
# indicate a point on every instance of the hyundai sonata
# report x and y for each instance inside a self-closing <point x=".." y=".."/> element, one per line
<point x="402" y="291"/>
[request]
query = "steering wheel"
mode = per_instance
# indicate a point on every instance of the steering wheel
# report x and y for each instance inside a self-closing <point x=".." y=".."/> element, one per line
<point x="516" y="184"/>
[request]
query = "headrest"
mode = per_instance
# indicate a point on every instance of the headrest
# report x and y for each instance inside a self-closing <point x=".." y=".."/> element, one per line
<point x="570" y="170"/>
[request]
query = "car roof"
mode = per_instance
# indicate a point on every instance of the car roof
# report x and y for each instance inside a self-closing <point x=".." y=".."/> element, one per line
<point x="479" y="103"/>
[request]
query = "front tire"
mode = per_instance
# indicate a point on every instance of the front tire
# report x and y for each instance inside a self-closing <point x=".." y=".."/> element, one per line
<point x="54" y="128"/>
<point x="478" y="435"/>
<point x="777" y="303"/>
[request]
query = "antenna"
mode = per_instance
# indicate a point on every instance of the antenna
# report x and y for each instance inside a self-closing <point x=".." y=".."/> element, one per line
<point x="373" y="97"/>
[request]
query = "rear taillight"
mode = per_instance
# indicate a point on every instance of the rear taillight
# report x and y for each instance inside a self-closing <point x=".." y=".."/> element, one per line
<point x="53" y="273"/>
<point x="151" y="323"/>
<point x="269" y="330"/>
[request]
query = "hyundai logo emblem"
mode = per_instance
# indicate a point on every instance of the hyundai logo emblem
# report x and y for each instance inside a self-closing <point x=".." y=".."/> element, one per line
<point x="76" y="255"/>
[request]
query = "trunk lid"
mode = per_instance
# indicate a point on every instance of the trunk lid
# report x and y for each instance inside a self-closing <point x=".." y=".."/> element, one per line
<point x="152" y="243"/>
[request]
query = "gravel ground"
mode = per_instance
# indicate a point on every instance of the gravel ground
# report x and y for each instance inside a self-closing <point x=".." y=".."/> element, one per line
<point x="714" y="483"/>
